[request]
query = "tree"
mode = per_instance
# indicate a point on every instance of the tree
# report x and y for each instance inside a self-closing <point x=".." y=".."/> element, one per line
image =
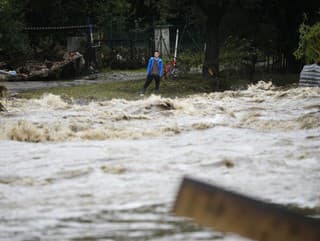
<point x="13" y="42"/>
<point x="285" y="17"/>
<point x="214" y="11"/>
<point x="309" y="44"/>
<point x="112" y="15"/>
<point x="270" y="26"/>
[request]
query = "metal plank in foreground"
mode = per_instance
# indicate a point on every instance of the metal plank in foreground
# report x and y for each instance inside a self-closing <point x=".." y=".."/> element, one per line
<point x="231" y="212"/>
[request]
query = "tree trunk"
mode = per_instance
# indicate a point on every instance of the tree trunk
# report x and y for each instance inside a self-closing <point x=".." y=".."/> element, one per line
<point x="214" y="11"/>
<point x="211" y="62"/>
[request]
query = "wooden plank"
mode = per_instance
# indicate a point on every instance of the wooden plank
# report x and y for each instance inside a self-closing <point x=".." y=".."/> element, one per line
<point x="231" y="212"/>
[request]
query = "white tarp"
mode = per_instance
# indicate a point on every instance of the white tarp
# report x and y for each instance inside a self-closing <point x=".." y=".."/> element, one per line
<point x="310" y="75"/>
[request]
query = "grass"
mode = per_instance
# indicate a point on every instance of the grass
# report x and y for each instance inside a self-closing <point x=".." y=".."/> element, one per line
<point x="188" y="85"/>
<point x="107" y="70"/>
<point x="129" y="90"/>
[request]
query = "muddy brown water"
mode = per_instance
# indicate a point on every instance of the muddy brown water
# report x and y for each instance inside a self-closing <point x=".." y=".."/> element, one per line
<point x="110" y="170"/>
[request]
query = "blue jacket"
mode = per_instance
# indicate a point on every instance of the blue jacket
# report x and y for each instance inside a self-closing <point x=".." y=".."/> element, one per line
<point x="150" y="64"/>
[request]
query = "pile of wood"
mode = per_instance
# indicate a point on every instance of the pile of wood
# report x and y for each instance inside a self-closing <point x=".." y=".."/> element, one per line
<point x="72" y="63"/>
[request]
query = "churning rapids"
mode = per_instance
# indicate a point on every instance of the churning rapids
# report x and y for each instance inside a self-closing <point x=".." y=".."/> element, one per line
<point x="110" y="170"/>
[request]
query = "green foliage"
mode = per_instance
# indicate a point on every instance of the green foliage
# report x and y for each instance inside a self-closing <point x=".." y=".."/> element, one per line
<point x="112" y="15"/>
<point x="271" y="25"/>
<point x="108" y="15"/>
<point x="309" y="44"/>
<point x="121" y="57"/>
<point x="153" y="12"/>
<point x="188" y="59"/>
<point x="13" y="42"/>
<point x="237" y="55"/>
<point x="3" y="4"/>
<point x="104" y="56"/>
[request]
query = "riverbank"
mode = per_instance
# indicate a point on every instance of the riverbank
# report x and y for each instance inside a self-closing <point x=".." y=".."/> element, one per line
<point x="15" y="87"/>
<point x="126" y="87"/>
<point x="127" y="84"/>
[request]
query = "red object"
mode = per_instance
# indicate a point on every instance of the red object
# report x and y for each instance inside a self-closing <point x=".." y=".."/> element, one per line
<point x="168" y="67"/>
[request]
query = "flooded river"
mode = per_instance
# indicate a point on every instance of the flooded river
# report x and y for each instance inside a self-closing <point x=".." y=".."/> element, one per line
<point x="110" y="170"/>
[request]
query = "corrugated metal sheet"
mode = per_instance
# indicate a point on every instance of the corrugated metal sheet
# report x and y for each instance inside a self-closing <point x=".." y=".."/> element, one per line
<point x="310" y="75"/>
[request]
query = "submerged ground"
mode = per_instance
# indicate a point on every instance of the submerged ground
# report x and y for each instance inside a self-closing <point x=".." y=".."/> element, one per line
<point x="110" y="169"/>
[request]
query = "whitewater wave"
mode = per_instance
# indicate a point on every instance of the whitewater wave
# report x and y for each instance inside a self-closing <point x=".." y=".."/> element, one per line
<point x="262" y="107"/>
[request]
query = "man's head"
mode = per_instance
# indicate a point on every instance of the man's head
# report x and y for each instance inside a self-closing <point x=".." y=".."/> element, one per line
<point x="156" y="54"/>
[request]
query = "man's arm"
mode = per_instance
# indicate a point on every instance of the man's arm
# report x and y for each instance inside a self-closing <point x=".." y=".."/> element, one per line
<point x="149" y="66"/>
<point x="161" y="68"/>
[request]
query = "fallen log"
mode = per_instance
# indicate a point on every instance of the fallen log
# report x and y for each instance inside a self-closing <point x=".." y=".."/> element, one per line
<point x="228" y="211"/>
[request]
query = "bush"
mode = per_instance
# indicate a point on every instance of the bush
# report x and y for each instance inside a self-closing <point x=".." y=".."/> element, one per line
<point x="104" y="56"/>
<point x="309" y="43"/>
<point x="238" y="57"/>
<point x="188" y="59"/>
<point x="127" y="58"/>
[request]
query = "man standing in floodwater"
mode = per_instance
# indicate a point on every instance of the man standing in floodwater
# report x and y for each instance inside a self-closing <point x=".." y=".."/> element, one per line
<point x="154" y="71"/>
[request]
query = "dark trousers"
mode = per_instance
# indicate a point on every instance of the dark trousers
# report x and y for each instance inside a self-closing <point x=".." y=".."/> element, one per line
<point x="150" y="77"/>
